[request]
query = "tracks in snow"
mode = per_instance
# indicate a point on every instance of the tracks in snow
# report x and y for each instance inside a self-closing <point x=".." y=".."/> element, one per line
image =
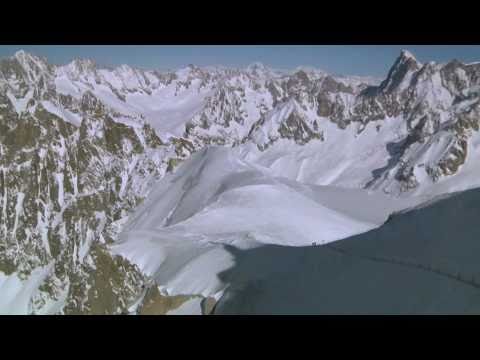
<point x="410" y="264"/>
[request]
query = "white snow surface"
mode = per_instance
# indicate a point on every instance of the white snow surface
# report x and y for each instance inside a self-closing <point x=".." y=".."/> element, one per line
<point x="189" y="307"/>
<point x="167" y="107"/>
<point x="178" y="236"/>
<point x="345" y="158"/>
<point x="16" y="294"/>
<point x="287" y="194"/>
<point x="62" y="113"/>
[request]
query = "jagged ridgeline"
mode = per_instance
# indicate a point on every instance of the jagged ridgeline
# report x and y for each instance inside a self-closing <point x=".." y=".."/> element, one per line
<point x="82" y="145"/>
<point x="65" y="189"/>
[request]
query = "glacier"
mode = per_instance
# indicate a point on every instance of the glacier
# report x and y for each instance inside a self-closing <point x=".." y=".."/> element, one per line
<point x="169" y="180"/>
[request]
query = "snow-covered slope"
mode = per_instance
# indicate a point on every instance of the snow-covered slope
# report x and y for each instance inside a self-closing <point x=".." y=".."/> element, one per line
<point x="178" y="234"/>
<point x="306" y="157"/>
<point x="421" y="262"/>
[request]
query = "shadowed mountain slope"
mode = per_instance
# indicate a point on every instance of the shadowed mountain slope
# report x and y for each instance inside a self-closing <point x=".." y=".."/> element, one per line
<point x="421" y="262"/>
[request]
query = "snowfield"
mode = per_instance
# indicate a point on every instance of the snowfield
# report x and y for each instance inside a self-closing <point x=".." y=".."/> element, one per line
<point x="225" y="198"/>
<point x="178" y="236"/>
<point x="343" y="158"/>
<point x="16" y="293"/>
<point x="224" y="163"/>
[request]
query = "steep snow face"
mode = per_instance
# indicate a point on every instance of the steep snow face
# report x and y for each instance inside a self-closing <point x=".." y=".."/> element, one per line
<point x="166" y="100"/>
<point x="69" y="175"/>
<point x="339" y="157"/>
<point x="414" y="130"/>
<point x="215" y="184"/>
<point x="259" y="105"/>
<point x="421" y="262"/>
<point x="16" y="293"/>
<point x="215" y="198"/>
<point x="81" y="146"/>
<point x="275" y="187"/>
<point x="206" y="105"/>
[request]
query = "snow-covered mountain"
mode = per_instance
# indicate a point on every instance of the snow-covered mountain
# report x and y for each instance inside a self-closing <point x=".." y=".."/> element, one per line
<point x="96" y="200"/>
<point x="422" y="262"/>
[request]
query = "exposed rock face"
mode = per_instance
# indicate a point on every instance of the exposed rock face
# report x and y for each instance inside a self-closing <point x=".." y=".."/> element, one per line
<point x="155" y="303"/>
<point x="80" y="147"/>
<point x="437" y="103"/>
<point x="64" y="191"/>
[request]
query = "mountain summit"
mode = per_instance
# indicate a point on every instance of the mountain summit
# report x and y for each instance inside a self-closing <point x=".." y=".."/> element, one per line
<point x="401" y="71"/>
<point x="118" y="187"/>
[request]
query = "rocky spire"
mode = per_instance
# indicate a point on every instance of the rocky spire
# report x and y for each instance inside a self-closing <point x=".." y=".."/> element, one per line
<point x="406" y="63"/>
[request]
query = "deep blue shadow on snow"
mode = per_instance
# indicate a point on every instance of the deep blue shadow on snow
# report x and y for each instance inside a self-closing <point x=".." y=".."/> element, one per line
<point x="426" y="261"/>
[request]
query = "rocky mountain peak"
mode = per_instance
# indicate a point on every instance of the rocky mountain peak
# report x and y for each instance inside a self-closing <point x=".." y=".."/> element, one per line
<point x="24" y="57"/>
<point x="96" y="140"/>
<point x="400" y="73"/>
<point x="255" y="66"/>
<point x="406" y="55"/>
<point x="81" y="66"/>
<point x="32" y="65"/>
<point x="258" y="69"/>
